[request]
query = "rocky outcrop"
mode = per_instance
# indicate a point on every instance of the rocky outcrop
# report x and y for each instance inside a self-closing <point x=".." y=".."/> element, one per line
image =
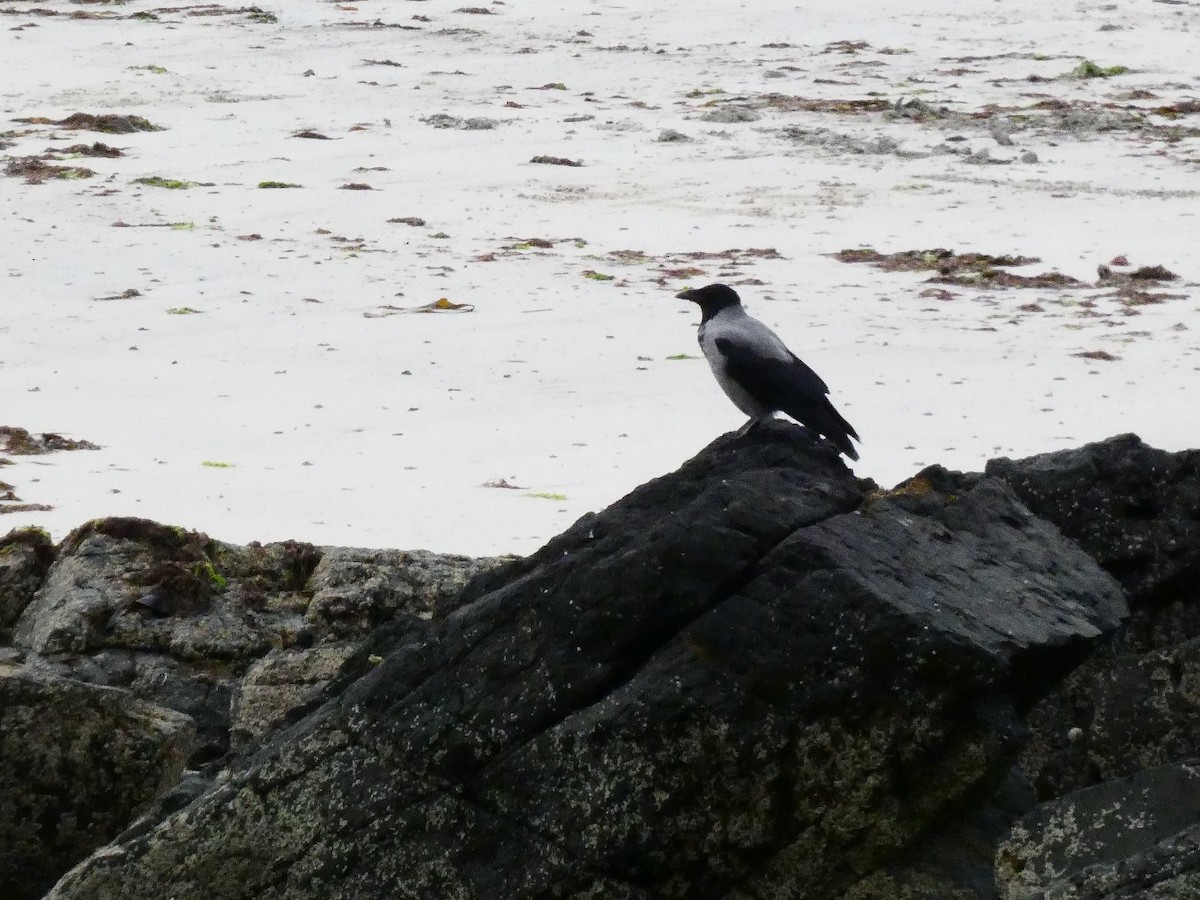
<point x="278" y="684"/>
<point x="77" y="764"/>
<point x="1115" y="744"/>
<point x="170" y="627"/>
<point x="755" y="677"/>
<point x="25" y="556"/>
<point x="1133" y="706"/>
<point x="1134" y="508"/>
<point x="178" y="618"/>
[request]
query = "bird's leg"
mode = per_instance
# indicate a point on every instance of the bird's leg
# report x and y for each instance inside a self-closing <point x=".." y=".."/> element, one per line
<point x="751" y="424"/>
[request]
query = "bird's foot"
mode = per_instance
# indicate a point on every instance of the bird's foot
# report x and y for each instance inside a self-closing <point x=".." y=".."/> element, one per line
<point x="750" y="425"/>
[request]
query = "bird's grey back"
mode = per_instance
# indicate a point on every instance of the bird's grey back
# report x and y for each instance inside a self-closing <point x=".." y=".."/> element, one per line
<point x="734" y="324"/>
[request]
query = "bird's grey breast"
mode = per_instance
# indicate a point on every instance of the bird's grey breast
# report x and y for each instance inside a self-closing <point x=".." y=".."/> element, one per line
<point x="707" y="336"/>
<point x="718" y="329"/>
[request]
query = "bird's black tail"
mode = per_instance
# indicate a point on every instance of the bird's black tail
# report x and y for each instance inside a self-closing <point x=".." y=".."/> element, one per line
<point x="825" y="420"/>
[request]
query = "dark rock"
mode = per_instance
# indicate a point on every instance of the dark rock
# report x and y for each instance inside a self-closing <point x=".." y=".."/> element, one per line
<point x="279" y="683"/>
<point x="1120" y="712"/>
<point x="203" y="693"/>
<point x="1138" y="837"/>
<point x="748" y="678"/>
<point x="956" y="860"/>
<point x="1134" y="508"/>
<point x="90" y="620"/>
<point x="172" y="617"/>
<point x="90" y="598"/>
<point x="77" y="764"/>
<point x="25" y="557"/>
<point x="177" y="618"/>
<point x="1134" y="705"/>
<point x="191" y="785"/>
<point x="354" y="591"/>
<point x="269" y="572"/>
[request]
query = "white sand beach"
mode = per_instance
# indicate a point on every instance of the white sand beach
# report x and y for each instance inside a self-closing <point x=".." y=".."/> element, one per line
<point x="246" y="357"/>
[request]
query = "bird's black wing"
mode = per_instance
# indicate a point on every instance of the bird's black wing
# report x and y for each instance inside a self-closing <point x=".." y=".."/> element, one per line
<point x="789" y="386"/>
<point x="771" y="379"/>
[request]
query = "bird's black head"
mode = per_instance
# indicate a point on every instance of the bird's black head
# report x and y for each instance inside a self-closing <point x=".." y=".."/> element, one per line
<point x="711" y="298"/>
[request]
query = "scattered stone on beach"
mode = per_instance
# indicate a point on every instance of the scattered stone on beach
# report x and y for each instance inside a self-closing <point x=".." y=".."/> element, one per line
<point x="730" y="114"/>
<point x="853" y="106"/>
<point x="477" y="123"/>
<point x="8" y="508"/>
<point x="534" y="243"/>
<point x="671" y="136"/>
<point x="998" y="278"/>
<point x="441" y="305"/>
<point x="127" y="294"/>
<point x="836" y="142"/>
<point x="1108" y="275"/>
<point x="983" y="157"/>
<point x="1130" y="296"/>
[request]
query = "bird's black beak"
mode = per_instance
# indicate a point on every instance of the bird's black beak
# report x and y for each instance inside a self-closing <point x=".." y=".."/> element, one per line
<point x="687" y="295"/>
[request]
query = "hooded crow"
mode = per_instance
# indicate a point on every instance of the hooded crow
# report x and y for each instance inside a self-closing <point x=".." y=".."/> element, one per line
<point x="758" y="372"/>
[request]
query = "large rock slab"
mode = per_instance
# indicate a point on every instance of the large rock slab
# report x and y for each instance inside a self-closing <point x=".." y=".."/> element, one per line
<point x="1137" y="837"/>
<point x="754" y="677"/>
<point x="135" y="585"/>
<point x="77" y="764"/>
<point x="354" y="590"/>
<point x="1134" y="508"/>
<point x="956" y="859"/>
<point x="1136" y="705"/>
<point x="178" y="618"/>
<point x="1120" y="712"/>
<point x="278" y="684"/>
